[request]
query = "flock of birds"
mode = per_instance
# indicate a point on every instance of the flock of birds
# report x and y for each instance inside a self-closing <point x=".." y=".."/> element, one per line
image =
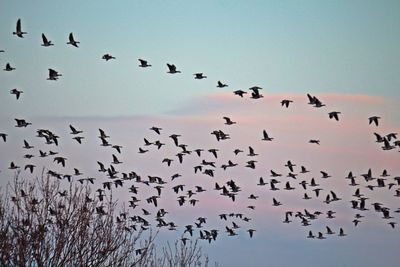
<point x="297" y="178"/>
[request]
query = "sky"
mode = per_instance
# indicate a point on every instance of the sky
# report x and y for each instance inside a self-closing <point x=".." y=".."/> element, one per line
<point x="344" y="52"/>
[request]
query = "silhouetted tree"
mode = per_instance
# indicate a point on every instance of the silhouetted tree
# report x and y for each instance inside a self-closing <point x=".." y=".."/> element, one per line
<point x="44" y="223"/>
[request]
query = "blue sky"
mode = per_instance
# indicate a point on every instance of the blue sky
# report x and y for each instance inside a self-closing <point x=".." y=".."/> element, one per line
<point x="346" y="52"/>
<point x="282" y="46"/>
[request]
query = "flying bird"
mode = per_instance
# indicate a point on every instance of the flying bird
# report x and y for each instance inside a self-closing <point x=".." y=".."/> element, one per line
<point x="199" y="76"/>
<point x="286" y="102"/>
<point x="221" y="85"/>
<point x="172" y="69"/>
<point x="71" y="40"/>
<point x="266" y="137"/>
<point x="334" y="115"/>
<point x="53" y="75"/>
<point x="107" y="57"/>
<point x="374" y="119"/>
<point x="46" y="42"/>
<point x="16" y="92"/>
<point x="143" y="63"/>
<point x="18" y="30"/>
<point x="8" y="67"/>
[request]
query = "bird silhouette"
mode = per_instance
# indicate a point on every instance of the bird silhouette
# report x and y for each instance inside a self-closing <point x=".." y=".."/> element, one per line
<point x="46" y="42"/>
<point x="172" y="69"/>
<point x="71" y="40"/>
<point x="18" y="30"/>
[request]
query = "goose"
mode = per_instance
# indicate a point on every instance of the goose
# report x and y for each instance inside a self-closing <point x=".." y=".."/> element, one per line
<point x="60" y="160"/>
<point x="53" y="75"/>
<point x="103" y="134"/>
<point x="321" y="236"/>
<point x="239" y="93"/>
<point x="374" y="119"/>
<point x="18" y="30"/>
<point x="275" y="202"/>
<point x="30" y="167"/>
<point x="251" y="152"/>
<point x="256" y="92"/>
<point x="115" y="160"/>
<point x="172" y="69"/>
<point x="266" y="137"/>
<point x="391" y="136"/>
<point x="156" y="129"/>
<point x="274" y="174"/>
<point x="117" y="147"/>
<point x="324" y="174"/>
<point x="71" y="40"/>
<point x="329" y="231"/>
<point x="310" y="234"/>
<point x="214" y="152"/>
<point x="334" y="115"/>
<point x="8" y="67"/>
<point x="251" y="232"/>
<point x="221" y="85"/>
<point x="46" y="42"/>
<point x="286" y="102"/>
<point x="261" y="182"/>
<point x="387" y="145"/>
<point x="26" y="145"/>
<point x="228" y="121"/>
<point x="13" y="166"/>
<point x="175" y="138"/>
<point x="16" y="92"/>
<point x="290" y="165"/>
<point x="288" y="187"/>
<point x="4" y="136"/>
<point x="379" y="138"/>
<point x="22" y="123"/>
<point x="143" y="63"/>
<point x="314" y="141"/>
<point x="199" y="76"/>
<point x="107" y="57"/>
<point x="341" y="232"/>
<point x="74" y="131"/>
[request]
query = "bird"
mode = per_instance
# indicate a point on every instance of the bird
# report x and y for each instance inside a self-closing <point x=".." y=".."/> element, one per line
<point x="4" y="136"/>
<point x="251" y="232"/>
<point x="374" y="119"/>
<point x="60" y="160"/>
<point x="334" y="115"/>
<point x="239" y="93"/>
<point x="74" y="131"/>
<point x="53" y="75"/>
<point x="175" y="138"/>
<point x="172" y="69"/>
<point x="22" y="123"/>
<point x="46" y="42"/>
<point x="276" y="202"/>
<point x="18" y="30"/>
<point x="16" y="92"/>
<point x="199" y="76"/>
<point x="71" y="40"/>
<point x="266" y="137"/>
<point x="8" y="67"/>
<point x="143" y="63"/>
<point x="107" y="57"/>
<point x="221" y="85"/>
<point x="314" y="141"/>
<point x="156" y="129"/>
<point x="228" y="121"/>
<point x="290" y="165"/>
<point x="256" y="92"/>
<point x="285" y="103"/>
<point x="26" y="145"/>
